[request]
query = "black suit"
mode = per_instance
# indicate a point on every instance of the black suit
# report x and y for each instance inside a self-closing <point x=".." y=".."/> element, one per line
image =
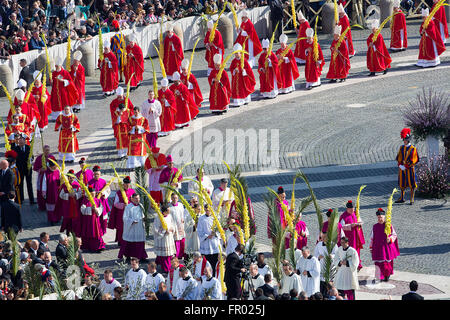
<point x="43" y="247"/>
<point x="26" y="75"/>
<point x="10" y="216"/>
<point x="232" y="277"/>
<point x="6" y="183"/>
<point x="61" y="253"/>
<point x="22" y="164"/>
<point x="269" y="290"/>
<point x="412" y="296"/>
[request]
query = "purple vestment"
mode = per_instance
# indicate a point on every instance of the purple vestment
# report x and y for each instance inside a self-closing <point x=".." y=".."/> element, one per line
<point x="116" y="216"/>
<point x="52" y="184"/>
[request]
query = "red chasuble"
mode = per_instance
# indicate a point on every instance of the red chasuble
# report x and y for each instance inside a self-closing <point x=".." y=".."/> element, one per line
<point x="63" y="96"/>
<point x="340" y="66"/>
<point x="68" y="142"/>
<point x="159" y="161"/>
<point x="195" y="88"/>
<point x="77" y="74"/>
<point x="219" y="92"/>
<point x="187" y="110"/>
<point x="215" y="47"/>
<point x="344" y="22"/>
<point x="135" y="64"/>
<point x="378" y="58"/>
<point x="121" y="129"/>
<point x="399" y="34"/>
<point x="430" y="43"/>
<point x="269" y="75"/>
<point x="137" y="136"/>
<point x="169" y="106"/>
<point x="241" y="85"/>
<point x="440" y="20"/>
<point x="115" y="104"/>
<point x="44" y="108"/>
<point x="29" y="112"/>
<point x="248" y="27"/>
<point x="288" y="70"/>
<point x="300" y="46"/>
<point x="109" y="72"/>
<point x="173" y="54"/>
<point x="312" y="70"/>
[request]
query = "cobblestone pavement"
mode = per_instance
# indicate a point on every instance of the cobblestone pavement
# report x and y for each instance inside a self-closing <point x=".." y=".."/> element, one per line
<point x="326" y="132"/>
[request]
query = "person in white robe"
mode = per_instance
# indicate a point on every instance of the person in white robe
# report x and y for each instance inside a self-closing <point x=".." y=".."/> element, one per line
<point x="321" y="252"/>
<point x="135" y="281"/>
<point x="218" y="275"/>
<point x="164" y="246"/>
<point x="210" y="288"/>
<point x="192" y="243"/>
<point x="346" y="262"/>
<point x="177" y="212"/>
<point x="263" y="268"/>
<point x="290" y="280"/>
<point x="133" y="236"/>
<point x="232" y="240"/>
<point x="199" y="265"/>
<point x="108" y="283"/>
<point x="207" y="184"/>
<point x="209" y="239"/>
<point x="253" y="282"/>
<point x="309" y="268"/>
<point x="153" y="279"/>
<point x="186" y="286"/>
<point x="228" y="197"/>
<point x="174" y="275"/>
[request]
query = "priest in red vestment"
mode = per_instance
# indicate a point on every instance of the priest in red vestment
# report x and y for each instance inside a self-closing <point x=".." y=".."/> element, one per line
<point x="340" y="61"/>
<point x="214" y="47"/>
<point x="440" y="20"/>
<point x="187" y="110"/>
<point x="42" y="99"/>
<point x="378" y="58"/>
<point x="134" y="67"/>
<point x="242" y="79"/>
<point x="137" y="139"/>
<point x="269" y="78"/>
<point x="121" y="128"/>
<point x="287" y="65"/>
<point x="220" y="89"/>
<point x="399" y="34"/>
<point x="173" y="53"/>
<point x="64" y="91"/>
<point x="169" y="106"/>
<point x="68" y="125"/>
<point x="314" y="61"/>
<point x="247" y="34"/>
<point x="28" y="111"/>
<point x="77" y="74"/>
<point x="120" y="99"/>
<point x="191" y="84"/>
<point x="109" y="71"/>
<point x="154" y="164"/>
<point x="344" y="23"/>
<point x="300" y="46"/>
<point x="431" y="45"/>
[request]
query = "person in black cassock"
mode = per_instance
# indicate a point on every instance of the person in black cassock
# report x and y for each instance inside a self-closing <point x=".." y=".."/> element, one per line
<point x="10" y="215"/>
<point x="233" y="269"/>
<point x="276" y="15"/>
<point x="23" y="152"/>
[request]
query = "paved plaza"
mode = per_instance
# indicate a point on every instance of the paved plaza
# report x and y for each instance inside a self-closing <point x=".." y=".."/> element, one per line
<point x="340" y="135"/>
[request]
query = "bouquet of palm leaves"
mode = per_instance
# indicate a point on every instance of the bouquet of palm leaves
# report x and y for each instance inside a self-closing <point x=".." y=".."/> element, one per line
<point x="47" y="59"/>
<point x="8" y="95"/>
<point x="338" y="44"/>
<point x="329" y="271"/>
<point x="212" y="34"/>
<point x="69" y="44"/>
<point x="155" y="207"/>
<point x="191" y="59"/>
<point x="64" y="178"/>
<point x="388" y="223"/>
<point x="161" y="63"/>
<point x="7" y="144"/>
<point x="140" y="178"/>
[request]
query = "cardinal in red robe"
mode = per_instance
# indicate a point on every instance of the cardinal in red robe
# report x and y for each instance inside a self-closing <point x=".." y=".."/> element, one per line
<point x="220" y="89"/>
<point x="120" y="99"/>
<point x="169" y="106"/>
<point x="134" y="66"/>
<point x="378" y="58"/>
<point x="173" y="53"/>
<point x="242" y="79"/>
<point x="137" y="137"/>
<point x="42" y="99"/>
<point x="28" y="111"/>
<point x="431" y="45"/>
<point x="269" y="77"/>
<point x="121" y="127"/>
<point x="287" y="66"/>
<point x="68" y="125"/>
<point x="399" y="35"/>
<point x="440" y="20"/>
<point x="344" y="23"/>
<point x="214" y="47"/>
<point x="247" y="34"/>
<point x="109" y="71"/>
<point x="77" y="74"/>
<point x="191" y="84"/>
<point x="64" y="91"/>
<point x="314" y="61"/>
<point x="187" y="110"/>
<point x="340" y="61"/>
<point x="300" y="46"/>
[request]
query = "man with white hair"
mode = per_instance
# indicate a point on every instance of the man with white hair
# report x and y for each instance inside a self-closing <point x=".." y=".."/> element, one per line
<point x="440" y="20"/>
<point x="300" y="46"/>
<point x="109" y="71"/>
<point x="210" y="288"/>
<point x="309" y="268"/>
<point x="134" y="67"/>
<point x="42" y="99"/>
<point x="247" y="34"/>
<point x="269" y="74"/>
<point x="242" y="79"/>
<point x="345" y="23"/>
<point x="169" y="108"/>
<point x="378" y="58"/>
<point x="64" y="91"/>
<point x="199" y="265"/>
<point x="190" y="81"/>
<point x="431" y="45"/>
<point x="399" y="35"/>
<point x="214" y="45"/>
<point x="340" y="60"/>
<point x="151" y="109"/>
<point x="220" y="88"/>
<point x="61" y="252"/>
<point x="290" y="279"/>
<point x="187" y="110"/>
<point x="254" y="281"/>
<point x="287" y="65"/>
<point x="77" y="74"/>
<point x="314" y="61"/>
<point x="173" y="53"/>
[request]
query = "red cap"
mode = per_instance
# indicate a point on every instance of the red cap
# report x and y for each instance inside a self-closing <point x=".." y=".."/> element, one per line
<point x="405" y="133"/>
<point x="115" y="24"/>
<point x="11" y="154"/>
<point x="71" y="171"/>
<point x="155" y="149"/>
<point x="96" y="168"/>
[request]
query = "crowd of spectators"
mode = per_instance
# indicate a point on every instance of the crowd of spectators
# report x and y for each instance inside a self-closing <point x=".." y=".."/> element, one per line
<point x="23" y="21"/>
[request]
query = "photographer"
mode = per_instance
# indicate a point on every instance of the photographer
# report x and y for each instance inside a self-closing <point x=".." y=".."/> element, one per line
<point x="252" y="282"/>
<point x="233" y="269"/>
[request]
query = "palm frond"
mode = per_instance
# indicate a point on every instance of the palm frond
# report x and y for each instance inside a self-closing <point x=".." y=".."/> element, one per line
<point x="300" y="174"/>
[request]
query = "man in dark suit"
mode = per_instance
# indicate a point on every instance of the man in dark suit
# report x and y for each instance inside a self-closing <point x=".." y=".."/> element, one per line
<point x="412" y="295"/>
<point x="39" y="258"/>
<point x="267" y="288"/>
<point x="44" y="237"/>
<point x="233" y="269"/>
<point x="276" y="15"/>
<point x="49" y="262"/>
<point x="23" y="152"/>
<point x="259" y="294"/>
<point x="61" y="249"/>
<point x="6" y="181"/>
<point x="25" y="73"/>
<point x="10" y="215"/>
